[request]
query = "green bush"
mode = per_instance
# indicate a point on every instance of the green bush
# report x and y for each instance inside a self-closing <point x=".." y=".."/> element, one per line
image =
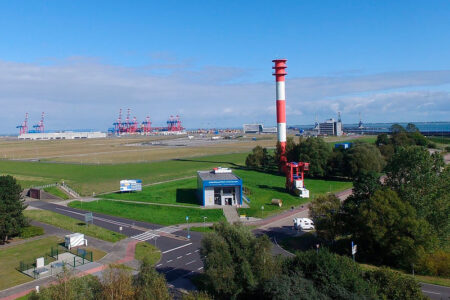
<point x="447" y="148"/>
<point x="431" y="145"/>
<point x="332" y="274"/>
<point x="435" y="264"/>
<point x="393" y="285"/>
<point x="31" y="231"/>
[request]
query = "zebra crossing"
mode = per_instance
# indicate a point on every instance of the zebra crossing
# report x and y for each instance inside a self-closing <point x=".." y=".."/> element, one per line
<point x="168" y="229"/>
<point x="145" y="236"/>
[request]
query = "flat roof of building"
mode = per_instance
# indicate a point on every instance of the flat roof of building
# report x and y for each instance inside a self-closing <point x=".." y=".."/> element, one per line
<point x="209" y="175"/>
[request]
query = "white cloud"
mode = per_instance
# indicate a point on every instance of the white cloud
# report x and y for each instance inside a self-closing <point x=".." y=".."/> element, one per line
<point x="84" y="93"/>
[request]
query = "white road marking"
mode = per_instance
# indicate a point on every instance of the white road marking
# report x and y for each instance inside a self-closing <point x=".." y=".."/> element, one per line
<point x="159" y="265"/>
<point x="200" y="268"/>
<point x="179" y="257"/>
<point x="431" y="292"/>
<point x="197" y="250"/>
<point x="169" y="260"/>
<point x="188" y="253"/>
<point x="96" y="218"/>
<point x="145" y="236"/>
<point x="168" y="229"/>
<point x="167" y="251"/>
<point x="190" y="262"/>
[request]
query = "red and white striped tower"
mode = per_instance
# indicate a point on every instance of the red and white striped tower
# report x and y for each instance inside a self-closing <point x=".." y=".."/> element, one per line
<point x="280" y="73"/>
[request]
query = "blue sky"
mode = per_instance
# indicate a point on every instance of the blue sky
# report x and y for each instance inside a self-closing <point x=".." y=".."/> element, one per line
<point x="210" y="61"/>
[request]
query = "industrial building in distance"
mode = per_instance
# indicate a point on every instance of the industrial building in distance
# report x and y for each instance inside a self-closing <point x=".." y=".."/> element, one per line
<point x="63" y="135"/>
<point x="38" y="133"/>
<point x="258" y="129"/>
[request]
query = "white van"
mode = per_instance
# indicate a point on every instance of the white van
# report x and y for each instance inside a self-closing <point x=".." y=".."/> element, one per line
<point x="303" y="224"/>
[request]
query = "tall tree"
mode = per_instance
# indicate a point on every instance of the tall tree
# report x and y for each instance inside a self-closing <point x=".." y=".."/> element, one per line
<point x="416" y="175"/>
<point x="324" y="210"/>
<point x="411" y="127"/>
<point x="149" y="284"/>
<point x="388" y="231"/>
<point x="317" y="153"/>
<point x="236" y="262"/>
<point x="363" y="157"/>
<point x="11" y="208"/>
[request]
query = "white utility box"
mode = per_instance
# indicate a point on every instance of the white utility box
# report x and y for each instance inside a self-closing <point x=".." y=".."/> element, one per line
<point x="303" y="193"/>
<point x="74" y="240"/>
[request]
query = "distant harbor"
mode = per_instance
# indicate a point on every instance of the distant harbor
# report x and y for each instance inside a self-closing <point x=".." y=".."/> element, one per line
<point x="426" y="128"/>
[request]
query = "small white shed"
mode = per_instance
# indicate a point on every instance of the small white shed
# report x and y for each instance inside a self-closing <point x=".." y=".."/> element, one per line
<point x="74" y="240"/>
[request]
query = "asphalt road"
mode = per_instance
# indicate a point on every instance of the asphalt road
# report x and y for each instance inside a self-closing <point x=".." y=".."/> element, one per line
<point x="180" y="257"/>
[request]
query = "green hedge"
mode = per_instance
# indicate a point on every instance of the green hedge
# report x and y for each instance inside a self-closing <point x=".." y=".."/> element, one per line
<point x="31" y="231"/>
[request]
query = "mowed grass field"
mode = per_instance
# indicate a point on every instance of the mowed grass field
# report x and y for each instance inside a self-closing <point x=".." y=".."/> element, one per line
<point x="123" y="149"/>
<point x="10" y="259"/>
<point x="157" y="214"/>
<point x="105" y="177"/>
<point x="263" y="188"/>
<point x="86" y="179"/>
<point x="178" y="192"/>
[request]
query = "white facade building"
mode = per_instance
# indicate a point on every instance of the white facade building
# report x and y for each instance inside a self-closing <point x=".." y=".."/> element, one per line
<point x="65" y="135"/>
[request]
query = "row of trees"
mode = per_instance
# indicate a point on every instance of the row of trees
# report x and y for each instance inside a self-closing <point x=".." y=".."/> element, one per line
<point x="401" y="137"/>
<point x="324" y="161"/>
<point x="401" y="222"/>
<point x="117" y="282"/>
<point x="12" y="206"/>
<point x="239" y="265"/>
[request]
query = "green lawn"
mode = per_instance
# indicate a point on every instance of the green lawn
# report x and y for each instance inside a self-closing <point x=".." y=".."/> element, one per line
<point x="265" y="187"/>
<point x="181" y="192"/>
<point x="10" y="259"/>
<point x="201" y="229"/>
<point x="56" y="191"/>
<point x="157" y="214"/>
<point x="144" y="249"/>
<point x="73" y="225"/>
<point x="86" y="179"/>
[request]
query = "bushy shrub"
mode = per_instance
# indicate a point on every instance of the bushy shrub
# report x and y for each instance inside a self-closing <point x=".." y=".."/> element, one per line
<point x="332" y="274"/>
<point x="431" y="145"/>
<point x="435" y="264"/>
<point x="31" y="231"/>
<point x="393" y="285"/>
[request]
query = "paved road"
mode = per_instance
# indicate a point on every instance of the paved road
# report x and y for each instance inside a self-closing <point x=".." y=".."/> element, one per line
<point x="180" y="257"/>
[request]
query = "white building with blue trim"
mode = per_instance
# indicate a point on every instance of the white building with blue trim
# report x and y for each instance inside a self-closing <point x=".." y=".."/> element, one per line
<point x="219" y="187"/>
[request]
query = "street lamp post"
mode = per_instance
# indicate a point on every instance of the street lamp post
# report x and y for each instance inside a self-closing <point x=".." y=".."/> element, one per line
<point x="262" y="209"/>
<point x="187" y="221"/>
<point x="204" y="223"/>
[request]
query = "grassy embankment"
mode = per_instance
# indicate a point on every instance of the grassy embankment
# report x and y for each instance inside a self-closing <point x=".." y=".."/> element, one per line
<point x="263" y="188"/>
<point x="98" y="177"/>
<point x="144" y="249"/>
<point x="56" y="191"/>
<point x="86" y="179"/>
<point x="73" y="225"/>
<point x="157" y="214"/>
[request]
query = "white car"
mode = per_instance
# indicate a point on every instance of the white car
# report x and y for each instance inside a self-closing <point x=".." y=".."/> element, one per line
<point x="303" y="224"/>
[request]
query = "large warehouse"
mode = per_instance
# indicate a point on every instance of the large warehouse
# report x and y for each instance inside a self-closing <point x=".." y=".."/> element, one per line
<point x="219" y="187"/>
<point x="64" y="135"/>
